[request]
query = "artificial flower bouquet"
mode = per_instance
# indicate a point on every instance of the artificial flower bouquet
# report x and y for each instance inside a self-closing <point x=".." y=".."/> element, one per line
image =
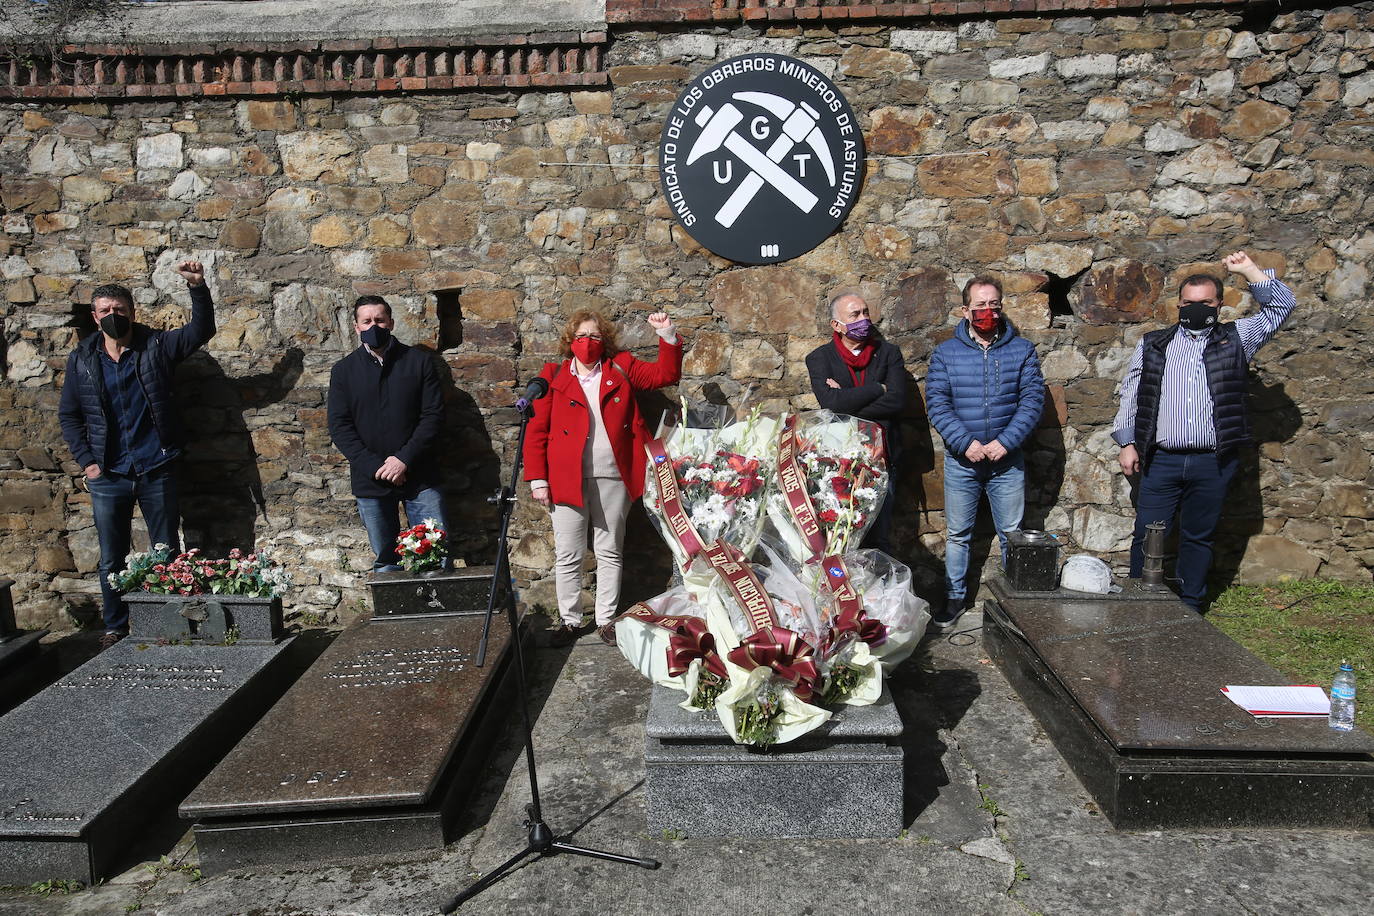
<point x="253" y="575"/>
<point x="422" y="547"/>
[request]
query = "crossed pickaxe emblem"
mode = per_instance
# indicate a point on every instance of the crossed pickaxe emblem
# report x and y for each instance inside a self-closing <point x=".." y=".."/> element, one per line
<point x="800" y="125"/>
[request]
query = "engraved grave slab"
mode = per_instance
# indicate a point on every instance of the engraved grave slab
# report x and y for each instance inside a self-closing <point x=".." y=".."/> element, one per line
<point x="204" y="618"/>
<point x="85" y="763"/>
<point x="1129" y="689"/>
<point x="369" y="752"/>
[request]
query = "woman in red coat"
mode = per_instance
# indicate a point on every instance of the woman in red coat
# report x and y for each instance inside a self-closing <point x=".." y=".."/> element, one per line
<point x="584" y="455"/>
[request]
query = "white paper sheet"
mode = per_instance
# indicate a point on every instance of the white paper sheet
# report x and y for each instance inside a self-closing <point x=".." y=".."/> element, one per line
<point x="1304" y="700"/>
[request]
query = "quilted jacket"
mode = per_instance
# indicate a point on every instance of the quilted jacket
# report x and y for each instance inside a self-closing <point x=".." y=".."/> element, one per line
<point x="973" y="393"/>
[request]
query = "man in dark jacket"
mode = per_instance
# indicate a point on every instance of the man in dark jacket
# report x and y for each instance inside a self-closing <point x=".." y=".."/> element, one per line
<point x="860" y="374"/>
<point x="385" y="408"/>
<point x="120" y="423"/>
<point x="1183" y="421"/>
<point x="984" y="395"/>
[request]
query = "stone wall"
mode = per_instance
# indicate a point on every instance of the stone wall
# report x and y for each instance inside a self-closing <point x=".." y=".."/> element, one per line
<point x="1089" y="159"/>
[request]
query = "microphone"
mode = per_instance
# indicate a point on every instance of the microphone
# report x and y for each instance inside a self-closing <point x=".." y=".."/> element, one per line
<point x="535" y="390"/>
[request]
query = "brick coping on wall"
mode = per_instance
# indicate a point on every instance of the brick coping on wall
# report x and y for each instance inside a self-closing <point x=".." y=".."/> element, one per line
<point x="670" y="11"/>
<point x="380" y="65"/>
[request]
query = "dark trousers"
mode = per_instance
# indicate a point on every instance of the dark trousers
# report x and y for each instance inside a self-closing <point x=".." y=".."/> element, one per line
<point x="1191" y="486"/>
<point x="112" y="502"/>
<point x="879" y="535"/>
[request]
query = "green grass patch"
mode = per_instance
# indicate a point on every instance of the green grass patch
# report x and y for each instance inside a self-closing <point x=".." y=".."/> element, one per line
<point x="1305" y="628"/>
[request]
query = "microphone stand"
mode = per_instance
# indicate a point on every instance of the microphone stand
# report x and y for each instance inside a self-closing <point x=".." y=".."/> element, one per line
<point x="542" y="841"/>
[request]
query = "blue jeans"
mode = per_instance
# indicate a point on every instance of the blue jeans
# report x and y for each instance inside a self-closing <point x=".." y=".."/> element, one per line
<point x="382" y="519"/>
<point x="112" y="501"/>
<point x="1191" y="485"/>
<point x="1006" y="489"/>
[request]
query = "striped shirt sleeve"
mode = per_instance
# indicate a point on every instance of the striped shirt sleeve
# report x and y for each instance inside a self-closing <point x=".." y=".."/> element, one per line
<point x="1123" y="430"/>
<point x="1276" y="302"/>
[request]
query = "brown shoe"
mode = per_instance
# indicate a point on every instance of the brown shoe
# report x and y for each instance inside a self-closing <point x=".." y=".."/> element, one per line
<point x="109" y="639"/>
<point x="607" y="634"/>
<point x="563" y="637"/>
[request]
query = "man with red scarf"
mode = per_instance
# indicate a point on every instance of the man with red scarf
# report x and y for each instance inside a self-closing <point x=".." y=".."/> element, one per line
<point x="860" y="374"/>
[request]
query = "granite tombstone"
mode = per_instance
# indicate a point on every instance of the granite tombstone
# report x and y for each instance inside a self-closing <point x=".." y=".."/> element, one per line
<point x="371" y="752"/>
<point x="1129" y="688"/>
<point x="23" y="662"/>
<point x="85" y="763"/>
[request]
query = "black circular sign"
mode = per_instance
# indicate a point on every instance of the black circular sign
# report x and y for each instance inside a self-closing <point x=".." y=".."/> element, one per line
<point x="761" y="158"/>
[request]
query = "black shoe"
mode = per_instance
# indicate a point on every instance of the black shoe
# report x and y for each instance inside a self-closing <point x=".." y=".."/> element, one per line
<point x="564" y="636"/>
<point x="109" y="639"/>
<point x="953" y="610"/>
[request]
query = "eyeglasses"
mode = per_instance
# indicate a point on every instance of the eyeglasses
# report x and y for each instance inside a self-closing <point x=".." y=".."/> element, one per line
<point x="994" y="304"/>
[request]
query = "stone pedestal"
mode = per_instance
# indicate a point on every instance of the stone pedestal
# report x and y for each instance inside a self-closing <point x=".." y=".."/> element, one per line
<point x="842" y="780"/>
<point x="454" y="591"/>
<point x="1129" y="690"/>
<point x="370" y="753"/>
<point x="87" y="762"/>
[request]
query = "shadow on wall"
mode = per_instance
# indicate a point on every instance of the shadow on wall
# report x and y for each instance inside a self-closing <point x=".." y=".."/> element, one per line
<point x="919" y="491"/>
<point x="470" y="471"/>
<point x="221" y="480"/>
<point x="1274" y="417"/>
<point x="645" y="552"/>
<point x="1046" y="457"/>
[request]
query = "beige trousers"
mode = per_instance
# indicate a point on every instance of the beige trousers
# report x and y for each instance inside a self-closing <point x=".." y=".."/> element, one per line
<point x="605" y="506"/>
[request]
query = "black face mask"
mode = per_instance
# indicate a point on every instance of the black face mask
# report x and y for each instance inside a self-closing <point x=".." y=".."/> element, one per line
<point x="1197" y="316"/>
<point x="116" y="326"/>
<point x="376" y="337"/>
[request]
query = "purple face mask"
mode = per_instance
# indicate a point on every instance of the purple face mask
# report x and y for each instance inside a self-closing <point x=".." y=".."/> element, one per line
<point x="858" y="330"/>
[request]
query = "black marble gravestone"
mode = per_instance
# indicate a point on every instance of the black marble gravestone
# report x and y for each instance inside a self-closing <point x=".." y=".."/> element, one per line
<point x="371" y="752"/>
<point x="23" y="662"/>
<point x="88" y="761"/>
<point x="1129" y="689"/>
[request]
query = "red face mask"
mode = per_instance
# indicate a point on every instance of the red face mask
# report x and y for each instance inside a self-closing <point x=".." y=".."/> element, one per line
<point x="587" y="350"/>
<point x="985" y="321"/>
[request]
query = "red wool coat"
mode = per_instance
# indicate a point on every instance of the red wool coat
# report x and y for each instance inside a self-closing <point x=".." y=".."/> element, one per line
<point x="560" y="430"/>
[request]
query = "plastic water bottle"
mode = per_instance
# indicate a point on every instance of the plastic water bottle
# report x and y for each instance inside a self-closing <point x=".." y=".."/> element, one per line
<point x="1342" y="716"/>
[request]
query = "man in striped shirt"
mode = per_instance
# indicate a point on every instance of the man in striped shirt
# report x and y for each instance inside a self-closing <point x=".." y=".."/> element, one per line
<point x="1183" y="417"/>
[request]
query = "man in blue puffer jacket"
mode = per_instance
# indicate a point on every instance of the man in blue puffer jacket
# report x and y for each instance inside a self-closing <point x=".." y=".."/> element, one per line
<point x="120" y="422"/>
<point x="984" y="395"/>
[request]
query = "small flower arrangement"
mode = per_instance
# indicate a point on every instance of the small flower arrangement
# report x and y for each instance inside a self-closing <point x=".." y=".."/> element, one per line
<point x="253" y="575"/>
<point x="422" y="547"/>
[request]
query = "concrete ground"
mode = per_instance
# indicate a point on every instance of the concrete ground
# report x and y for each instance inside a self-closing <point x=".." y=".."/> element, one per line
<point x="997" y="825"/>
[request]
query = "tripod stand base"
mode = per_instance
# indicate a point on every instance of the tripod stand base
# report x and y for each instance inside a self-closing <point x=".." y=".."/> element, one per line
<point x="541" y="843"/>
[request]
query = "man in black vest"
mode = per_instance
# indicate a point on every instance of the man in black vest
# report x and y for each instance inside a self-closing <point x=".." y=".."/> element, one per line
<point x="121" y="425"/>
<point x="1183" y="417"/>
<point x="860" y="374"/>
<point x="385" y="409"/>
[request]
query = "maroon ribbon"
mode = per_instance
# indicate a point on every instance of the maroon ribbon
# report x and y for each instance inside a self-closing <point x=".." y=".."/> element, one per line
<point x="670" y="495"/>
<point x="852" y="620"/>
<point x="746" y="587"/>
<point x="785" y="652"/>
<point x="690" y="640"/>
<point x="793" y="484"/>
